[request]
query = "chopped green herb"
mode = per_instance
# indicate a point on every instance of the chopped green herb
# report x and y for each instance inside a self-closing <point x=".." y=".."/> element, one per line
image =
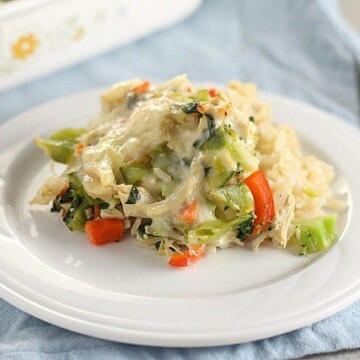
<point x="196" y="143"/>
<point x="207" y="170"/>
<point x="142" y="229"/>
<point x="67" y="197"/>
<point x="56" y="206"/>
<point x="239" y="169"/>
<point x="76" y="201"/>
<point x="190" y="108"/>
<point x="211" y="125"/>
<point x="131" y="101"/>
<point x="208" y="133"/>
<point x="77" y="186"/>
<point x="202" y="139"/>
<point x="245" y="229"/>
<point x="104" y="205"/>
<point x="187" y="161"/>
<point x="134" y="196"/>
<point x="251" y="118"/>
<point x="75" y="218"/>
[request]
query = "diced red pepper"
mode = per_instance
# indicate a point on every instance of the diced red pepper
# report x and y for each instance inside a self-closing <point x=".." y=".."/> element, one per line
<point x="188" y="212"/>
<point x="104" y="231"/>
<point x="79" y="148"/>
<point x="212" y="92"/>
<point x="263" y="198"/>
<point x="141" y="88"/>
<point x="188" y="257"/>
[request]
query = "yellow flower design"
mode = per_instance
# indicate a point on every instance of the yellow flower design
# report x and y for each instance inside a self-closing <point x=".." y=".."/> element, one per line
<point x="79" y="33"/>
<point x="25" y="46"/>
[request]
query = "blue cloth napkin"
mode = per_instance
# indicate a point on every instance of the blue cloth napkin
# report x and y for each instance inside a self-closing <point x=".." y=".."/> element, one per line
<point x="302" y="49"/>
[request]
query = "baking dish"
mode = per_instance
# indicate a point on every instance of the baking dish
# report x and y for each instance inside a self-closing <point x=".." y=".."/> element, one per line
<point x="41" y="36"/>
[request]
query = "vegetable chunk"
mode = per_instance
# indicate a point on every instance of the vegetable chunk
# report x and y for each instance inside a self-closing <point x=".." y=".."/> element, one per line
<point x="104" y="231"/>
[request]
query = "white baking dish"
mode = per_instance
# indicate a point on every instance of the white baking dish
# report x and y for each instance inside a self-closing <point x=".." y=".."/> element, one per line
<point x="41" y="36"/>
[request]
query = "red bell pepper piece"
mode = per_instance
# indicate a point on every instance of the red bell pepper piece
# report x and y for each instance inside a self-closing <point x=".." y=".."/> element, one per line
<point x="188" y="213"/>
<point x="188" y="257"/>
<point x="263" y="198"/>
<point x="103" y="231"/>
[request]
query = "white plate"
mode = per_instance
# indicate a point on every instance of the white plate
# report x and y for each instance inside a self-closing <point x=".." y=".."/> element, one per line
<point x="126" y="293"/>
